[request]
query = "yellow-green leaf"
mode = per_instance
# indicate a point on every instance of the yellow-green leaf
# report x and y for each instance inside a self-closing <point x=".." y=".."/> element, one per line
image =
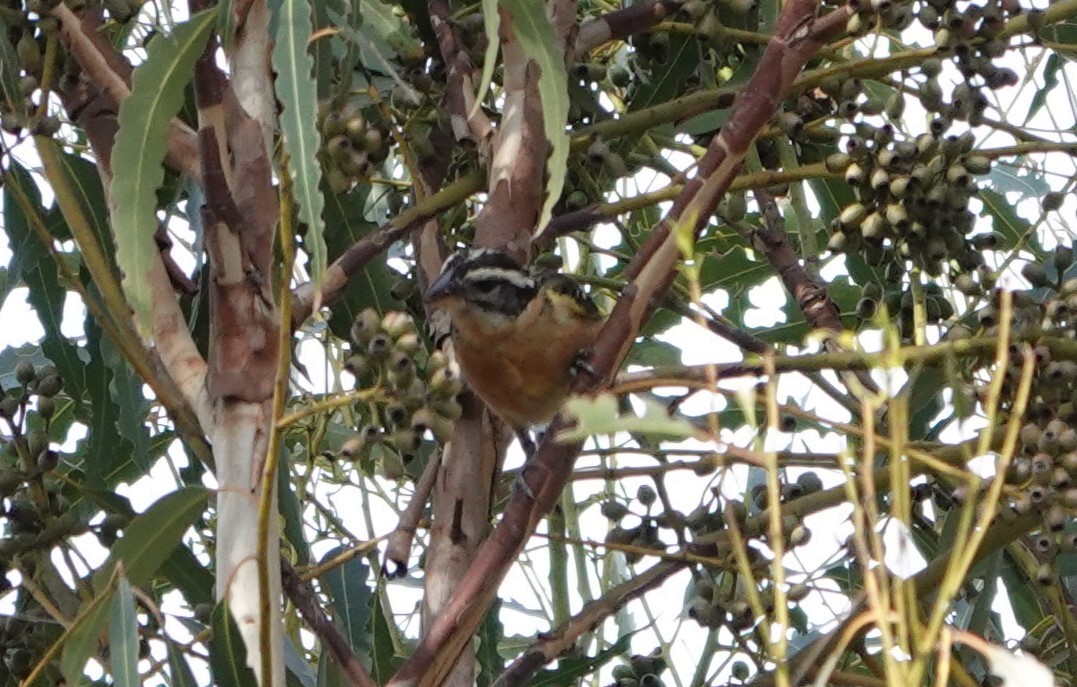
<point x="599" y="415"/>
<point x="297" y="91"/>
<point x="537" y="38"/>
<point x="156" y="96"/>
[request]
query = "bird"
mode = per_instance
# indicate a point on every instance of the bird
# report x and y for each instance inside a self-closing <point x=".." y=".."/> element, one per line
<point x="519" y="337"/>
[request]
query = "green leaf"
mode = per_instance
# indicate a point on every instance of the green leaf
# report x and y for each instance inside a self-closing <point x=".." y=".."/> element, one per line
<point x="654" y="353"/>
<point x="385" y="658"/>
<point x="47" y="296"/>
<point x="123" y="637"/>
<point x="570" y="669"/>
<point x="491" y="24"/>
<point x="83" y="638"/>
<point x="290" y="510"/>
<point x="666" y="84"/>
<point x="151" y="537"/>
<point x="1050" y="80"/>
<point x="345" y="224"/>
<point x="13" y="100"/>
<point x="299" y="672"/>
<point x="227" y="655"/>
<point x="157" y="94"/>
<point x="490" y="634"/>
<point x="1005" y="219"/>
<point x="1022" y="594"/>
<point x="12" y="356"/>
<point x="599" y="415"/>
<point x="734" y="269"/>
<point x="109" y="455"/>
<point x="188" y="575"/>
<point x="374" y="34"/>
<point x="27" y="249"/>
<point x="350" y="599"/>
<point x="178" y="670"/>
<point x="382" y="33"/>
<point x="1007" y="177"/>
<point x="537" y="38"/>
<point x="297" y="91"/>
<point x="85" y="183"/>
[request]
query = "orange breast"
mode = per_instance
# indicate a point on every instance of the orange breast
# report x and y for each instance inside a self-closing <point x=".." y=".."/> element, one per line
<point x="522" y="370"/>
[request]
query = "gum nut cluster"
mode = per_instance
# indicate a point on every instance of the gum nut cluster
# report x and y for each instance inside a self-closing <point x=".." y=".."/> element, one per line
<point x="419" y="390"/>
<point x="352" y="144"/>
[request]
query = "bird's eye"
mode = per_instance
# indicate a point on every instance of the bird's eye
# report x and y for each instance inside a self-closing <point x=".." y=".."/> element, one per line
<point x="486" y="285"/>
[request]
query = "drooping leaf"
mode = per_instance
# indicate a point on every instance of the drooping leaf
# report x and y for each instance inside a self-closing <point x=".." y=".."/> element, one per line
<point x="1051" y="70"/>
<point x="123" y="637"/>
<point x="157" y="94"/>
<point x="384" y="656"/>
<point x="537" y="38"/>
<point x="109" y="455"/>
<point x="47" y="296"/>
<point x="227" y="653"/>
<point x="291" y="511"/>
<point x="189" y="575"/>
<point x="570" y="669"/>
<point x="491" y="25"/>
<point x="599" y="415"/>
<point x="350" y="599"/>
<point x="179" y="672"/>
<point x="299" y="672"/>
<point x="83" y="638"/>
<point x="151" y="537"/>
<point x="84" y="181"/>
<point x="296" y="89"/>
<point x="13" y="100"/>
<point x="27" y="248"/>
<point x="490" y="633"/>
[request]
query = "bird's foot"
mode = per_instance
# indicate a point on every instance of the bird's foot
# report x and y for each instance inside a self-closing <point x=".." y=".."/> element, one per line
<point x="581" y="366"/>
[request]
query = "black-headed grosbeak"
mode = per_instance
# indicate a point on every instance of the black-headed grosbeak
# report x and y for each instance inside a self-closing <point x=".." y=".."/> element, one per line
<point x="519" y="337"/>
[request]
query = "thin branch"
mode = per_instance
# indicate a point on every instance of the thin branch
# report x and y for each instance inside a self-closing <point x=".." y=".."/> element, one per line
<point x="798" y="35"/>
<point x="306" y="603"/>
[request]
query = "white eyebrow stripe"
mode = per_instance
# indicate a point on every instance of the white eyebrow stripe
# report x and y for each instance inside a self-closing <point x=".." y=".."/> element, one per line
<point x="515" y="277"/>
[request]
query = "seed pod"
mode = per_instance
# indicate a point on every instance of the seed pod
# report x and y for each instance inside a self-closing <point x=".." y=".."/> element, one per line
<point x="873" y="226"/>
<point x="24" y="372"/>
<point x="1036" y="275"/>
<point x="379" y="347"/>
<point x="364" y="328"/>
<point x="977" y="164"/>
<point x="791" y="124"/>
<point x="50" y="386"/>
<point x="899" y="186"/>
<point x="445" y="383"/>
<point x="1051" y="201"/>
<point x="447" y="408"/>
<point x="854" y="174"/>
<point x="852" y="215"/>
<point x="1063" y="257"/>
<point x="396" y="323"/>
<point x="28" y="52"/>
<point x="957" y="175"/>
<point x="897" y="215"/>
<point x="613" y="510"/>
<point x="390" y="465"/>
<point x="837" y="162"/>
<point x="646" y="495"/>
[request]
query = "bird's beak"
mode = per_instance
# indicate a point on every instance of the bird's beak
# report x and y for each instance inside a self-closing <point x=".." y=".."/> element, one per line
<point x="444" y="286"/>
